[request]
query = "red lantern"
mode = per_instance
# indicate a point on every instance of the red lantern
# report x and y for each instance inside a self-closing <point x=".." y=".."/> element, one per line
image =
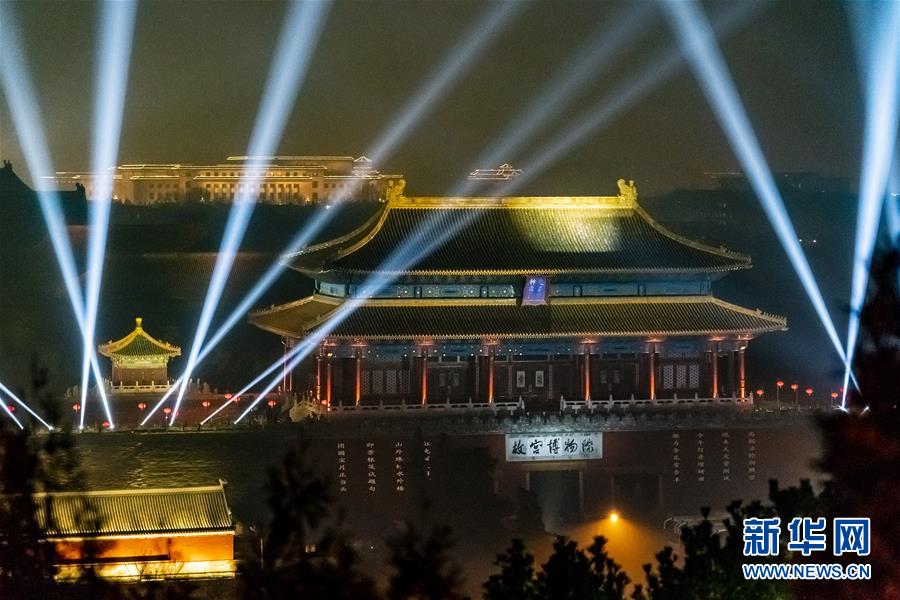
<point x="105" y="424"/>
<point x="834" y="395"/>
<point x="795" y="387"/>
<point x="809" y="391"/>
<point x="141" y="406"/>
<point x="760" y="392"/>
<point x="11" y="408"/>
<point x="167" y="410"/>
<point x="271" y="403"/>
<point x="228" y="396"/>
<point x="205" y="404"/>
<point x="779" y="383"/>
<point x="76" y="407"/>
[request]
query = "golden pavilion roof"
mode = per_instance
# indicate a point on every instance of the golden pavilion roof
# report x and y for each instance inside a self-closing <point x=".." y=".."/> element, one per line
<point x="134" y="512"/>
<point x="138" y="343"/>
<point x="487" y="318"/>
<point x="518" y="236"/>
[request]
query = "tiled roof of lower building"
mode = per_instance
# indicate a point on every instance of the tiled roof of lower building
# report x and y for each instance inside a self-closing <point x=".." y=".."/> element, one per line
<point x="134" y="512"/>
<point x="505" y="318"/>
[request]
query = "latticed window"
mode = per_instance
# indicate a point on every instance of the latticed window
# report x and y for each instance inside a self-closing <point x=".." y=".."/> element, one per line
<point x="694" y="376"/>
<point x="366" y="382"/>
<point x="391" y="383"/>
<point x="680" y="376"/>
<point x="668" y="376"/>
<point x="378" y="382"/>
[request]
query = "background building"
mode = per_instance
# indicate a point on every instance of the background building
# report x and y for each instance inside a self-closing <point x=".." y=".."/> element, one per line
<point x="275" y="179"/>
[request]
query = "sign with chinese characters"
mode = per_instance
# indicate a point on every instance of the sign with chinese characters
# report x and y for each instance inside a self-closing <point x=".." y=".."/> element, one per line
<point x="554" y="446"/>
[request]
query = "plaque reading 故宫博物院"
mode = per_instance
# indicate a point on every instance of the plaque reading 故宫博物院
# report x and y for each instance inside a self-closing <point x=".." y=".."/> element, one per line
<point x="554" y="446"/>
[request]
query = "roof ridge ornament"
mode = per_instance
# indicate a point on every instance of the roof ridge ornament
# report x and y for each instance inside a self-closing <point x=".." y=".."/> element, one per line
<point x="394" y="190"/>
<point x="627" y="190"/>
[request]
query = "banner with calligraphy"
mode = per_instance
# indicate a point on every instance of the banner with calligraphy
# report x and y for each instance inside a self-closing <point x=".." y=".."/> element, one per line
<point x="554" y="446"/>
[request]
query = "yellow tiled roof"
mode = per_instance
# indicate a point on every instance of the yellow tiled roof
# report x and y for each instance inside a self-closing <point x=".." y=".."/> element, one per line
<point x="504" y="318"/>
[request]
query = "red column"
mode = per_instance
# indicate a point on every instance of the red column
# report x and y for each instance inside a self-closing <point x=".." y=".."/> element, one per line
<point x="587" y="372"/>
<point x="358" y="376"/>
<point x="653" y="371"/>
<point x="318" y="377"/>
<point x="328" y="362"/>
<point x="424" y="374"/>
<point x="742" y="372"/>
<point x="715" y="371"/>
<point x="491" y="376"/>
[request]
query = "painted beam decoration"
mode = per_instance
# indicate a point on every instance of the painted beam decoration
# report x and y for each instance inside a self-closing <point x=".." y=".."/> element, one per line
<point x="554" y="446"/>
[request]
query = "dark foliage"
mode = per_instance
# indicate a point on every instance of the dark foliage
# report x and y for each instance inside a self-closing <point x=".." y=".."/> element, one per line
<point x="304" y="550"/>
<point x="862" y="448"/>
<point x="421" y="566"/>
<point x="569" y="573"/>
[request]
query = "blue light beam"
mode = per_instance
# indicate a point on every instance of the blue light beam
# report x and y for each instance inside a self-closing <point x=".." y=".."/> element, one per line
<point x="421" y="243"/>
<point x="699" y="45"/>
<point x="425" y="98"/>
<point x="892" y="206"/>
<point x="22" y="100"/>
<point x="434" y="233"/>
<point x="27" y="408"/>
<point x="461" y="57"/>
<point x="878" y="41"/>
<point x="11" y="415"/>
<point x="117" y="19"/>
<point x="639" y="84"/>
<point x="596" y="57"/>
<point x="297" y="42"/>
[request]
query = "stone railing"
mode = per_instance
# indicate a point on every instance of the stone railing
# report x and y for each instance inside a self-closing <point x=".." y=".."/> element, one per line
<point x="306" y="408"/>
<point x="137" y="388"/>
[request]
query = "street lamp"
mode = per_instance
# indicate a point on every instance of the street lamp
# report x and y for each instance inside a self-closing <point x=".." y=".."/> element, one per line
<point x="834" y="397"/>
<point x="142" y="406"/>
<point x="778" y="385"/>
<point x="759" y="393"/>
<point x="794" y="388"/>
<point x="809" y="393"/>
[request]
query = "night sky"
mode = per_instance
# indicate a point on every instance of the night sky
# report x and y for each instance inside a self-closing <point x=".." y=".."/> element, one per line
<point x="198" y="69"/>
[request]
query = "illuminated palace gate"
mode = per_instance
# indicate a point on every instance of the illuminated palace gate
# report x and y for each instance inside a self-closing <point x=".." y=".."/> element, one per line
<point x="539" y="299"/>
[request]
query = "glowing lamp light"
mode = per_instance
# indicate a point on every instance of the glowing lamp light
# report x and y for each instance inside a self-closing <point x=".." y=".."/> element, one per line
<point x="167" y="411"/>
<point x="142" y="406"/>
<point x="760" y="392"/>
<point x="809" y="391"/>
<point x="613" y="517"/>
<point x="271" y="403"/>
<point x="779" y="383"/>
<point x="105" y="424"/>
<point x="834" y="395"/>
<point x="205" y="404"/>
<point x="795" y="387"/>
<point x="76" y="407"/>
<point x="11" y="408"/>
<point x="228" y="396"/>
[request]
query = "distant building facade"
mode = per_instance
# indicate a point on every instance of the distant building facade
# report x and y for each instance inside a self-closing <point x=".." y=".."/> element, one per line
<point x="272" y="179"/>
